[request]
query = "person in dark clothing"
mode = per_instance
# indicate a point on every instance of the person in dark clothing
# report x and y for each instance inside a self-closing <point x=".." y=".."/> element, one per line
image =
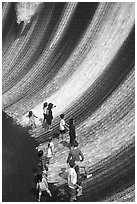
<point x="72" y="132"/>
<point x="77" y="156"/>
<point x="49" y="115"/>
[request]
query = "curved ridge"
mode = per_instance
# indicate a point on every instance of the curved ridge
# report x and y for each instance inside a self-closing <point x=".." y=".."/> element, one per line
<point x="81" y="57"/>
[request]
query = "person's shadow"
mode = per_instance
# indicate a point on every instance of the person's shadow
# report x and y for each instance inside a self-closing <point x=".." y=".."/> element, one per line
<point x="63" y="174"/>
<point x="66" y="144"/>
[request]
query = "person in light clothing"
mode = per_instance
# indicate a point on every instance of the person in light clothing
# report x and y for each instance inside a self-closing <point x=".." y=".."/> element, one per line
<point x="72" y="181"/>
<point x="77" y="155"/>
<point x="42" y="185"/>
<point x="63" y="125"/>
<point x="45" y="106"/>
<point x="32" y="119"/>
<point x="50" y="150"/>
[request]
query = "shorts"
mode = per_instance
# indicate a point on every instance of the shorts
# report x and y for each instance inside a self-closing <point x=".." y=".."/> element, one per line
<point x="62" y="132"/>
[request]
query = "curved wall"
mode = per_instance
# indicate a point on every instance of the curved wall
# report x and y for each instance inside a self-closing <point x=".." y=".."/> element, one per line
<point x="81" y="57"/>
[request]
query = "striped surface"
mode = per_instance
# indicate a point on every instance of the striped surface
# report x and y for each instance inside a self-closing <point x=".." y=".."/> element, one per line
<point x="79" y="56"/>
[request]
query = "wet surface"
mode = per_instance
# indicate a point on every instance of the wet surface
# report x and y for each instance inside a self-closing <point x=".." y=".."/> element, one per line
<point x="80" y="57"/>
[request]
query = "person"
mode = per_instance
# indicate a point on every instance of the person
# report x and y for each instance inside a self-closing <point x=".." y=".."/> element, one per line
<point x="72" y="132"/>
<point x="40" y="162"/>
<point x="42" y="185"/>
<point x="49" y="116"/>
<point x="72" y="181"/>
<point x="63" y="125"/>
<point x="45" y="105"/>
<point x="77" y="156"/>
<point x="32" y="119"/>
<point x="50" y="150"/>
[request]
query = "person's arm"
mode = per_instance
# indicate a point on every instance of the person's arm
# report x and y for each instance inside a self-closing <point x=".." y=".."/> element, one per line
<point x="66" y="125"/>
<point x="74" y="131"/>
<point x="47" y="187"/>
<point x="37" y="185"/>
<point x="51" y="147"/>
<point x="81" y="155"/>
<point x="69" y="157"/>
<point x="35" y="116"/>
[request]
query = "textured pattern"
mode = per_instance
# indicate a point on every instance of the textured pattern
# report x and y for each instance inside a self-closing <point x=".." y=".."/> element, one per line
<point x="81" y="57"/>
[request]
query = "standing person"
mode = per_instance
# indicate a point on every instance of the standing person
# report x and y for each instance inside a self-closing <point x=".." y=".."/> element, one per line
<point x="50" y="150"/>
<point x="40" y="162"/>
<point x="72" y="132"/>
<point x="42" y="185"/>
<point x="49" y="116"/>
<point x="77" y="155"/>
<point x="45" y="105"/>
<point x="72" y="180"/>
<point x="32" y="119"/>
<point x="63" y="125"/>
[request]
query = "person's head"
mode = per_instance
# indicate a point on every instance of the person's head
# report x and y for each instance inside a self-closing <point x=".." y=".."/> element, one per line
<point x="30" y="113"/>
<point x="40" y="153"/>
<point x="62" y="116"/>
<point x="72" y="163"/>
<point x="71" y="121"/>
<point x="50" y="106"/>
<point x="50" y="139"/>
<point x="45" y="104"/>
<point x="39" y="177"/>
<point x="75" y="143"/>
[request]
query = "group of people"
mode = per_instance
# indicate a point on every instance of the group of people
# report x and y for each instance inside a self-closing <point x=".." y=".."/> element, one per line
<point x="64" y="126"/>
<point x="47" y="121"/>
<point x="74" y="164"/>
<point x="74" y="159"/>
<point x="48" y="116"/>
<point x="43" y="169"/>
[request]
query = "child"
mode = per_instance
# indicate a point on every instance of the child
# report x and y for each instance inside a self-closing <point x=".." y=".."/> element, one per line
<point x="40" y="163"/>
<point x="42" y="185"/>
<point x="32" y="119"/>
<point x="44" y="111"/>
<point x="63" y="125"/>
<point x="50" y="150"/>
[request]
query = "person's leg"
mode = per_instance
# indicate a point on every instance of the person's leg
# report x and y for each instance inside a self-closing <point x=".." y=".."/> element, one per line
<point x="72" y="195"/>
<point x="40" y="193"/>
<point x="47" y="126"/>
<point x="35" y="125"/>
<point x="86" y="170"/>
<point x="78" y="174"/>
<point x="48" y="191"/>
<point x="44" y="121"/>
<point x="71" y="141"/>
